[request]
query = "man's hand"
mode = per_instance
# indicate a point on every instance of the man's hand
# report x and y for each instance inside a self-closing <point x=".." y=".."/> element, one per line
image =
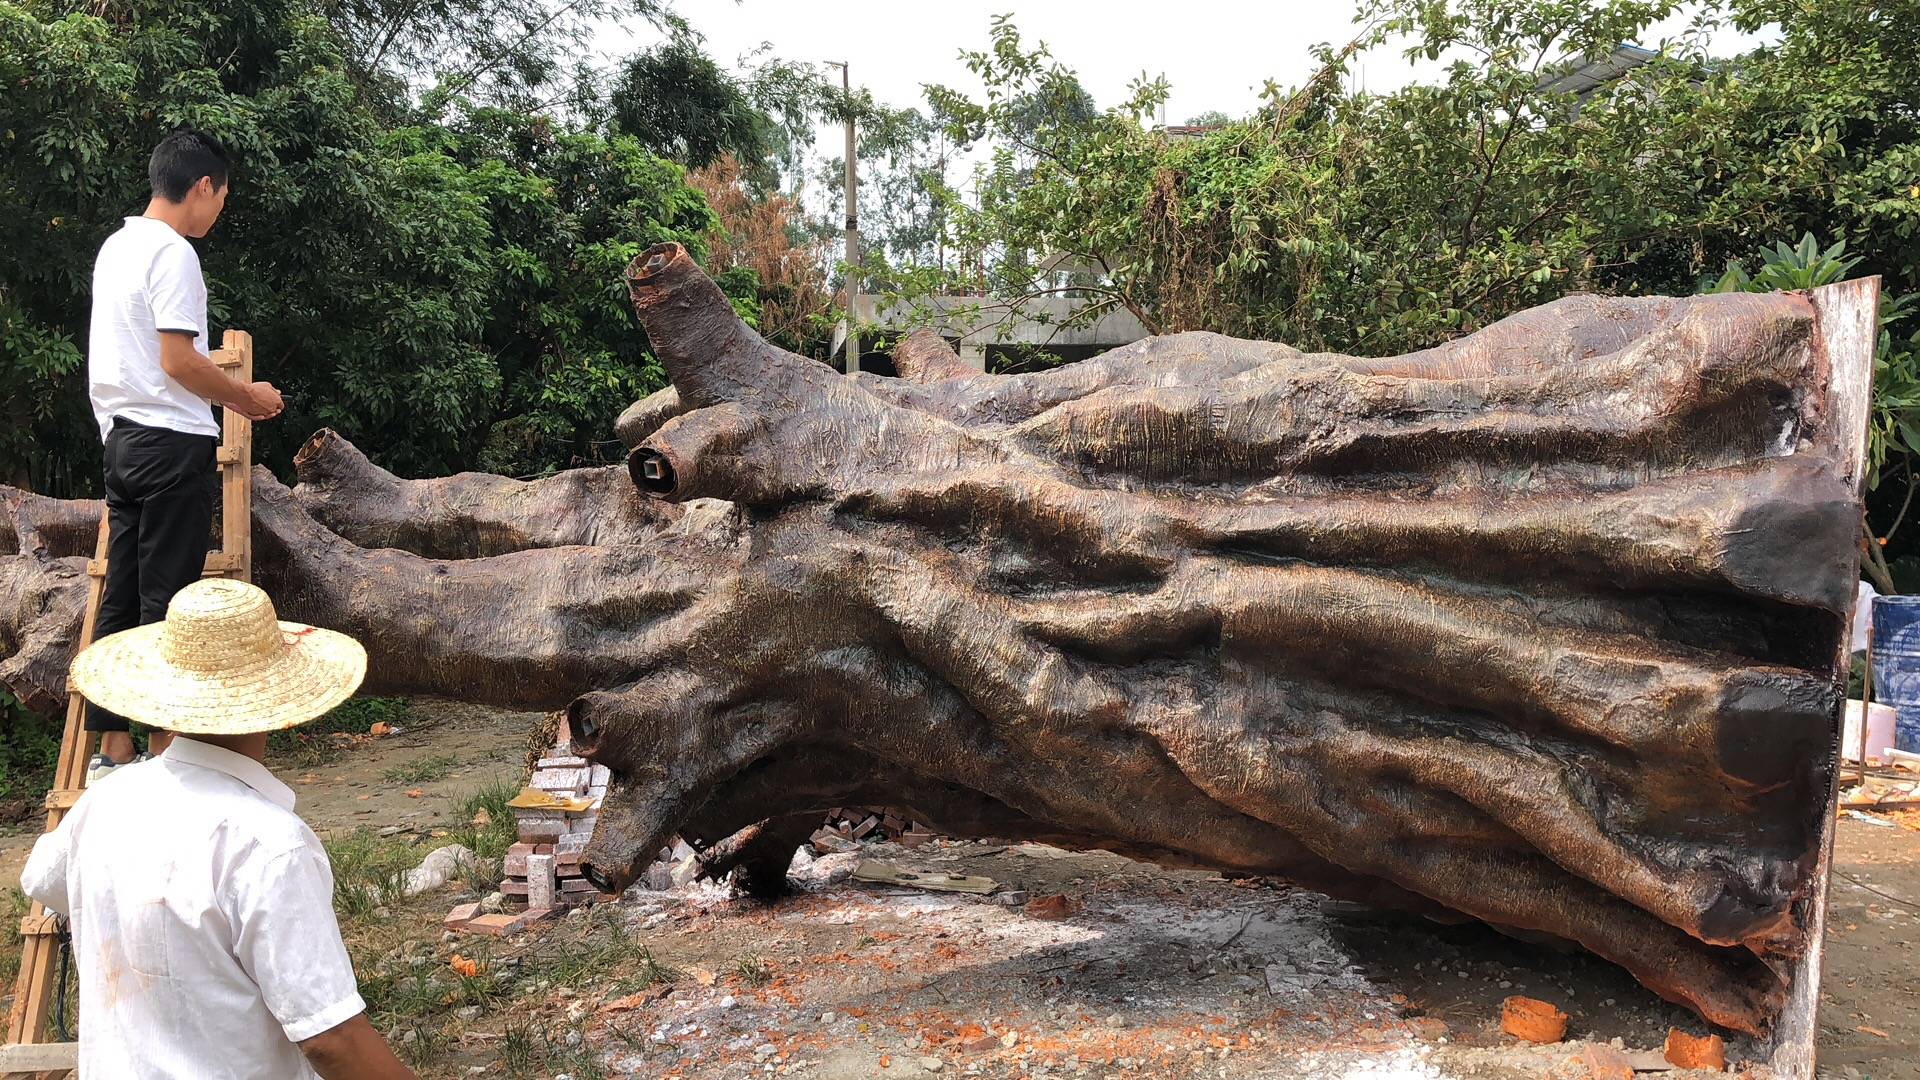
<point x="263" y="402"/>
<point x="354" y="1051"/>
<point x="190" y="368"/>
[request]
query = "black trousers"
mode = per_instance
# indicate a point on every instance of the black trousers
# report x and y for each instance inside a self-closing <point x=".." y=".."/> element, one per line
<point x="159" y="519"/>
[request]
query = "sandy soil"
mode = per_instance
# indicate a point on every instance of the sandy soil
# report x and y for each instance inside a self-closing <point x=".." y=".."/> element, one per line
<point x="1153" y="973"/>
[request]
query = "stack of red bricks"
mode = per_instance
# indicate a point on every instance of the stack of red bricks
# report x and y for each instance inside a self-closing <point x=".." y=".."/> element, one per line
<point x="542" y="872"/>
<point x="846" y="825"/>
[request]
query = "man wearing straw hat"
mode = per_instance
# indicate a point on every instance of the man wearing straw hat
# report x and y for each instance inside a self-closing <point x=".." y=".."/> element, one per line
<point x="201" y="906"/>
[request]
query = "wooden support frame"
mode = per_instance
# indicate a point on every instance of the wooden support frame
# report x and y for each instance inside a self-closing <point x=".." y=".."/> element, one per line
<point x="1848" y="328"/>
<point x="24" y="1053"/>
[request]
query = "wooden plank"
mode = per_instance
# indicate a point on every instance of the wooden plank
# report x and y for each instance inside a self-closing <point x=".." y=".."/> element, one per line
<point x="236" y="490"/>
<point x="1848" y="318"/>
<point x="39" y="1057"/>
<point x="220" y="562"/>
<point x="33" y="986"/>
<point x="38" y="924"/>
<point x="63" y="798"/>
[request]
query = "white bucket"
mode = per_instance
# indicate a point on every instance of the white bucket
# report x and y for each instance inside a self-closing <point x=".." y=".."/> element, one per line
<point x="1879" y="731"/>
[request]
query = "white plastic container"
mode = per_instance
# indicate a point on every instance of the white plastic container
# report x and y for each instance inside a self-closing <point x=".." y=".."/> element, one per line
<point x="1879" y="731"/>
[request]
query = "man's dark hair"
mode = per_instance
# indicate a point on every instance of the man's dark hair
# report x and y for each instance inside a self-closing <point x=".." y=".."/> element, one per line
<point x="181" y="159"/>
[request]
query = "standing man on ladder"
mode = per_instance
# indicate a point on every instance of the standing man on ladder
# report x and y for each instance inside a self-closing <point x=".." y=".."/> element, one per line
<point x="152" y="387"/>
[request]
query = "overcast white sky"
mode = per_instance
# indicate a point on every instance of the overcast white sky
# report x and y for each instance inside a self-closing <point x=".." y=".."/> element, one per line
<point x="1216" y="53"/>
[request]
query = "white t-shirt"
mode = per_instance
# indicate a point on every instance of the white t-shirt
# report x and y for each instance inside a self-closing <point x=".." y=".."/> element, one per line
<point x="202" y="916"/>
<point x="146" y="279"/>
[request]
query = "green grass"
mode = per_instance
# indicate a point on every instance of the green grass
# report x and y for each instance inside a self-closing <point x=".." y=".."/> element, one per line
<point x="29" y="746"/>
<point x="13" y="906"/>
<point x="424" y="771"/>
<point x="528" y="1052"/>
<point x="600" y="945"/>
<point x="368" y="872"/>
<point x="752" y="971"/>
<point x="488" y="842"/>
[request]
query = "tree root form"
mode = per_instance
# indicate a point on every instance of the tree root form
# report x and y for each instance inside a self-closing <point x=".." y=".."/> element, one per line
<point x="1537" y="627"/>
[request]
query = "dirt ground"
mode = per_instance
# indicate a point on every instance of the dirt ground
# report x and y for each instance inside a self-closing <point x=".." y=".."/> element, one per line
<point x="1150" y="972"/>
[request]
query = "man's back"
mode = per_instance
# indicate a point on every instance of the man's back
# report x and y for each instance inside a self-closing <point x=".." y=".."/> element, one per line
<point x="146" y="280"/>
<point x="202" y="920"/>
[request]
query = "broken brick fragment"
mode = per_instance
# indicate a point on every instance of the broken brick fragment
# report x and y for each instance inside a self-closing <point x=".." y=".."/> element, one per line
<point x="1686" y="1051"/>
<point x="1595" y="1062"/>
<point x="499" y="925"/>
<point x="1532" y="1020"/>
<point x="1057" y="906"/>
<point x="458" y="918"/>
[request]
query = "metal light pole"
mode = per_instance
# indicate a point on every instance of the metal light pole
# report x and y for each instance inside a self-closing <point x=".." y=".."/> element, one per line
<point x="852" y="362"/>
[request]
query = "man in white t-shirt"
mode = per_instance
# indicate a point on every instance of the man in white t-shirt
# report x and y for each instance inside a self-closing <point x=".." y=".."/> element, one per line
<point x="153" y="387"/>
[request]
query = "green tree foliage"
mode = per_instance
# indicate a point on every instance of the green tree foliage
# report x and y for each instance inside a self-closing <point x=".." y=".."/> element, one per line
<point x="681" y="105"/>
<point x="1384" y="222"/>
<point x="1387" y="222"/>
<point x="503" y="52"/>
<point x="445" y="292"/>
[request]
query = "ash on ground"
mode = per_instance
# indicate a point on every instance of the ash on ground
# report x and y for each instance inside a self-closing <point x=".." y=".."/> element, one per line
<point x="1088" y="964"/>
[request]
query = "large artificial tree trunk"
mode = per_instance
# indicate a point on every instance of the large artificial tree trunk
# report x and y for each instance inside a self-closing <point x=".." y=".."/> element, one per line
<point x="1538" y="627"/>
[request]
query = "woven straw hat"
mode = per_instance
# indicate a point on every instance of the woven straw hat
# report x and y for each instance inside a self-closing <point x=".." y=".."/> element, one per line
<point x="221" y="664"/>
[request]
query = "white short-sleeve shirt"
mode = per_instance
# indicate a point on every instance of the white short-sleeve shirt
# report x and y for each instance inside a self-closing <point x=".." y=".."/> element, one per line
<point x="202" y="916"/>
<point x="146" y="279"/>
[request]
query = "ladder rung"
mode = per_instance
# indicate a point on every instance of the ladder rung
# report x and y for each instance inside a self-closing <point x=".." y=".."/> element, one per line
<point x="224" y="358"/>
<point x="219" y="562"/>
<point x="227" y="455"/>
<point x="63" y="798"/>
<point x="38" y="925"/>
<point x="35" y="1058"/>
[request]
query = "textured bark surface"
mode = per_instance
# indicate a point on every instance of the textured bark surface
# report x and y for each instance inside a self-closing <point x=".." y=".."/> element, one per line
<point x="1535" y="628"/>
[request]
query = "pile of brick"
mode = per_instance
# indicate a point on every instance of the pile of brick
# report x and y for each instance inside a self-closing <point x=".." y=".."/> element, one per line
<point x="849" y="825"/>
<point x="542" y="872"/>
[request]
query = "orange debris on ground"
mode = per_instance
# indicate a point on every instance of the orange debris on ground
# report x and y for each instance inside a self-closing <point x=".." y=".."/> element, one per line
<point x="1533" y="1020"/>
<point x="1058" y="906"/>
<point x="1696" y="1052"/>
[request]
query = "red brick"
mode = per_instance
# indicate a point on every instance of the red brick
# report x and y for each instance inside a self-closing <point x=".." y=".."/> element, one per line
<point x="511" y="887"/>
<point x="1532" y="1020"/>
<point x="457" y="918"/>
<point x="498" y="925"/>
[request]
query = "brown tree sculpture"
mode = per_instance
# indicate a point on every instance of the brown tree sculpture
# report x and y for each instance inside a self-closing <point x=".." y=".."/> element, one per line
<point x="1538" y="627"/>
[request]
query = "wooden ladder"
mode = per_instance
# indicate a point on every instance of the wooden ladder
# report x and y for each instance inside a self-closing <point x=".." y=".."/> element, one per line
<point x="24" y="1054"/>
